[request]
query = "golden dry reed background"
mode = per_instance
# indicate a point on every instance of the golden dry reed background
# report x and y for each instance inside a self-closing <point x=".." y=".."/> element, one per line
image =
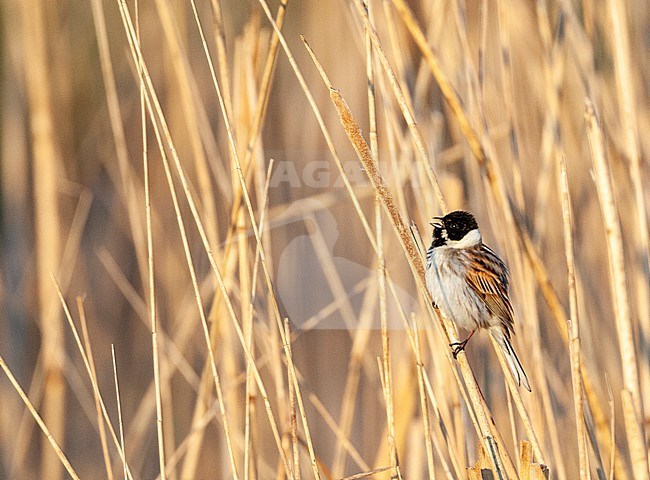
<point x="213" y="229"/>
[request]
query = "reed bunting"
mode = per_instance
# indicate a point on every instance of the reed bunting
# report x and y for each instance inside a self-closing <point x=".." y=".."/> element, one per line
<point x="469" y="282"/>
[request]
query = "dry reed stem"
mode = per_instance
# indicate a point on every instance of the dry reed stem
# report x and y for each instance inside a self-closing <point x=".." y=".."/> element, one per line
<point x="205" y="329"/>
<point x="529" y="293"/>
<point x="144" y="156"/>
<point x="553" y="71"/>
<point x="527" y="469"/>
<point x="244" y="83"/>
<point x="150" y="265"/>
<point x="612" y="415"/>
<point x="267" y="277"/>
<point x="334" y="281"/>
<point x="447" y="440"/>
<point x="26" y="426"/>
<point x="519" y="404"/>
<point x="47" y="163"/>
<point x="237" y="172"/>
<point x="635" y="437"/>
<point x="628" y="119"/>
<point x="152" y="316"/>
<point x="340" y="434"/>
<point x="350" y="390"/>
<point x="363" y="151"/>
<point x="573" y="325"/>
<point x="424" y="405"/>
<point x="292" y="413"/>
<point x="618" y="286"/>
<point x="172" y="348"/>
<point x="406" y="397"/>
<point x="220" y="38"/>
<point x="55" y="446"/>
<point x="396" y="50"/>
<point x="181" y="450"/>
<point x="323" y="128"/>
<point x="367" y="473"/>
<point x="296" y="387"/>
<point x="91" y="363"/>
<point x="249" y="388"/>
<point x="119" y="407"/>
<point x="443" y="82"/>
<point x="293" y="378"/>
<point x="247" y="325"/>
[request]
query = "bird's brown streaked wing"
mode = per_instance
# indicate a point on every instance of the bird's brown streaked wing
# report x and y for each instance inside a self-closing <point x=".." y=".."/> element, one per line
<point x="487" y="276"/>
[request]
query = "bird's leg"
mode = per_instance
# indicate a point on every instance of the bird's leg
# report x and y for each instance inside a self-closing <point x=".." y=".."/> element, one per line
<point x="458" y="347"/>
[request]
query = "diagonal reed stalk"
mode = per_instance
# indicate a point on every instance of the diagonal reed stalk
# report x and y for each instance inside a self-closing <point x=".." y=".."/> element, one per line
<point x="383" y="193"/>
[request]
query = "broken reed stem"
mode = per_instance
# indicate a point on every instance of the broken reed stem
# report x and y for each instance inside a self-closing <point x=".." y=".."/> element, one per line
<point x="369" y="473"/>
<point x="92" y="377"/>
<point x="93" y="380"/>
<point x="355" y="136"/>
<point x="572" y="322"/>
<point x="618" y="285"/>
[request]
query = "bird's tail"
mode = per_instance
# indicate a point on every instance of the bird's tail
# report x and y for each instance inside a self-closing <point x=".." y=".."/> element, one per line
<point x="510" y="356"/>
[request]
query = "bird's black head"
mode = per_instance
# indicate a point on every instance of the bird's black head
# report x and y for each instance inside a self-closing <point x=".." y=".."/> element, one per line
<point x="452" y="227"/>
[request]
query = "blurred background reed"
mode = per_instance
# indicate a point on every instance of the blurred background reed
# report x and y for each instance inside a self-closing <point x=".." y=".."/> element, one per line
<point x="325" y="358"/>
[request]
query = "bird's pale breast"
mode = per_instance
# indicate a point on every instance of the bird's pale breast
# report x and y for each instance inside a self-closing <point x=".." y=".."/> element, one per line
<point x="445" y="278"/>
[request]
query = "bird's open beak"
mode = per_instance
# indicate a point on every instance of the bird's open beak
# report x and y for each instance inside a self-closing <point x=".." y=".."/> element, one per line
<point x="437" y="222"/>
